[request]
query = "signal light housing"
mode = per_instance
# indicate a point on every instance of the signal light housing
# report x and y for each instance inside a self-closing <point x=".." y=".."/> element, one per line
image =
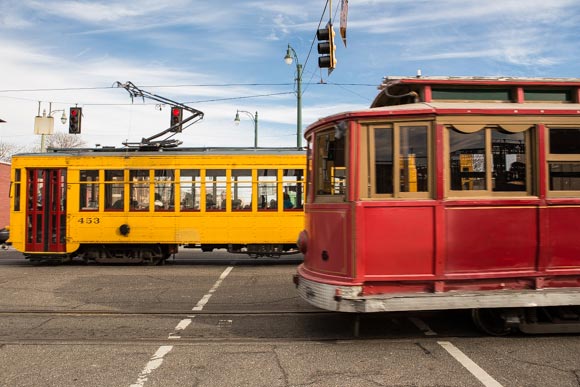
<point x="326" y="48"/>
<point x="74" y="120"/>
<point x="176" y="118"/>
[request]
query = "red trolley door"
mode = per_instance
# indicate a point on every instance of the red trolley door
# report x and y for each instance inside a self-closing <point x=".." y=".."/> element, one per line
<point x="46" y="210"/>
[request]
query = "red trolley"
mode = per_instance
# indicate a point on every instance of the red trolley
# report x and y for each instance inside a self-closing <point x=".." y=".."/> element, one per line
<point x="449" y="193"/>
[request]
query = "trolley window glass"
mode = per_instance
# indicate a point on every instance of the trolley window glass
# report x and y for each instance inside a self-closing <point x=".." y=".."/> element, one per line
<point x="383" y="150"/>
<point x="491" y="160"/>
<point x="17" y="188"/>
<point x="399" y="160"/>
<point x="139" y="188"/>
<point x="215" y="190"/>
<point x="190" y="189"/>
<point x="114" y="190"/>
<point x="331" y="170"/>
<point x="164" y="199"/>
<point x="267" y="189"/>
<point x="564" y="161"/>
<point x="89" y="190"/>
<point x="293" y="189"/>
<point x="467" y="160"/>
<point x="241" y="191"/>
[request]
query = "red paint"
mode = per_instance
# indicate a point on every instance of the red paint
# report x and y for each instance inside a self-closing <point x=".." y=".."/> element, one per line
<point x="446" y="244"/>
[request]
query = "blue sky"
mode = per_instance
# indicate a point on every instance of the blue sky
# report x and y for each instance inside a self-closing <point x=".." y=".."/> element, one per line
<point x="219" y="56"/>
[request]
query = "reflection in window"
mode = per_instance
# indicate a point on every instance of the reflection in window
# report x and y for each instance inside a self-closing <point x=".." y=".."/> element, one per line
<point x="215" y="190"/>
<point x="384" y="160"/>
<point x="241" y="189"/>
<point x="89" y="190"/>
<point x="467" y="160"/>
<point x="293" y="188"/>
<point x="564" y="176"/>
<point x="190" y="189"/>
<point x="267" y="189"/>
<point x="164" y="199"/>
<point x="139" y="188"/>
<point x="509" y="161"/>
<point x="414" y="175"/>
<point x="331" y="164"/>
<point x="114" y="195"/>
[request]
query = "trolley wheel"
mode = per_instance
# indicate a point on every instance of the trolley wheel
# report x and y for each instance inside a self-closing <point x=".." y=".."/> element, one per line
<point x="491" y="321"/>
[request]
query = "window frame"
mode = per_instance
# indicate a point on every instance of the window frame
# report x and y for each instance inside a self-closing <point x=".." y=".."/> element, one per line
<point x="561" y="158"/>
<point x="84" y="183"/>
<point x="396" y="177"/>
<point x="488" y="128"/>
<point x="314" y="164"/>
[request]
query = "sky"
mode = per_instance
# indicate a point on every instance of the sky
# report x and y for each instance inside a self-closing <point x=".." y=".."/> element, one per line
<point x="222" y="56"/>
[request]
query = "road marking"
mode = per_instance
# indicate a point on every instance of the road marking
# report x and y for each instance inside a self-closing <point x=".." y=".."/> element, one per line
<point x="181" y="326"/>
<point x="201" y="303"/>
<point x="469" y="364"/>
<point x="157" y="359"/>
<point x="422" y="326"/>
<point x="153" y="364"/>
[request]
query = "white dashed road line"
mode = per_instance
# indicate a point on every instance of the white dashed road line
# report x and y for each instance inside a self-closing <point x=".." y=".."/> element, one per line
<point x="201" y="303"/>
<point x="469" y="364"/>
<point x="181" y="326"/>
<point x="153" y="364"/>
<point x="157" y="358"/>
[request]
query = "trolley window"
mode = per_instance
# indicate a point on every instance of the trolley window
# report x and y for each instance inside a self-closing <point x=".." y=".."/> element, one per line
<point x="564" y="161"/>
<point x="489" y="159"/>
<point x="331" y="171"/>
<point x="399" y="160"/>
<point x="293" y="189"/>
<point x="267" y="189"/>
<point x="164" y="190"/>
<point x="89" y="190"/>
<point x="190" y="189"/>
<point x="215" y="189"/>
<point x="467" y="160"/>
<point x="139" y="188"/>
<point x="241" y="190"/>
<point x="17" y="188"/>
<point x="114" y="190"/>
<point x="383" y="150"/>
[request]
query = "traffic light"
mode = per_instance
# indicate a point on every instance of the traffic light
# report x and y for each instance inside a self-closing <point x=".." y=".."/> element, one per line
<point x="74" y="120"/>
<point x="176" y="118"/>
<point x="326" y="47"/>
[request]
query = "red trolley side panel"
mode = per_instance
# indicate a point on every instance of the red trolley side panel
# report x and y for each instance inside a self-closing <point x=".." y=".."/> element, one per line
<point x="330" y="251"/>
<point x="488" y="240"/>
<point x="398" y="241"/>
<point x="564" y="237"/>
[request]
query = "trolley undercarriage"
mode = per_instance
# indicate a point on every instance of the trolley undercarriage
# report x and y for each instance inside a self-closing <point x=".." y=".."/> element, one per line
<point x="153" y="254"/>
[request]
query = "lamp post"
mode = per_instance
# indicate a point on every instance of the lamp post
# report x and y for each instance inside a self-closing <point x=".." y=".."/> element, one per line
<point x="289" y="58"/>
<point x="254" y="118"/>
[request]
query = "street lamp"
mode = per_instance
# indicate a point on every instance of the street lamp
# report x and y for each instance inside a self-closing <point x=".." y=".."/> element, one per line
<point x="290" y="56"/>
<point x="44" y="125"/>
<point x="254" y="118"/>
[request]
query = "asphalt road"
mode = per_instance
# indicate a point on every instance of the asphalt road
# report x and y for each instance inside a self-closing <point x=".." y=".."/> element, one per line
<point x="207" y="319"/>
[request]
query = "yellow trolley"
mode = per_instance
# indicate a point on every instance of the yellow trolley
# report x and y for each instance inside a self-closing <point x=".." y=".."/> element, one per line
<point x="126" y="205"/>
